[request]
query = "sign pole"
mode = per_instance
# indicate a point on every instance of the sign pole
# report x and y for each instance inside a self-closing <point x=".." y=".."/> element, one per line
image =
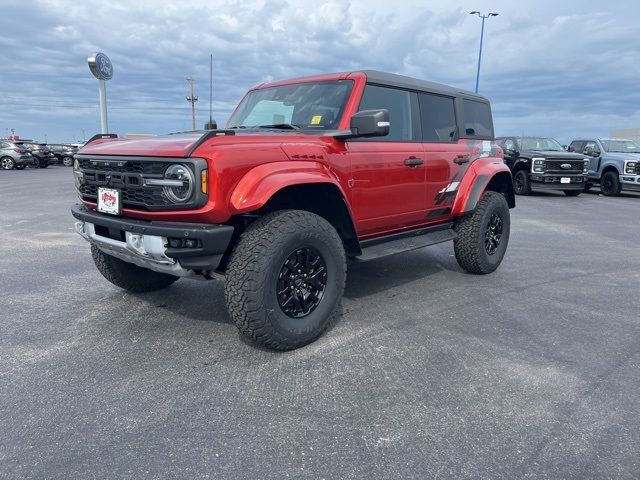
<point x="104" y="126"/>
<point x="102" y="69"/>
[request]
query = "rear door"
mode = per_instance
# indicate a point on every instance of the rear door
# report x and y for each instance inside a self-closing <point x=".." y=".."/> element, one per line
<point x="388" y="173"/>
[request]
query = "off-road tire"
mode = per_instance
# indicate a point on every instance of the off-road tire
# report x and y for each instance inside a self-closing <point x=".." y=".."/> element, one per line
<point x="521" y="183"/>
<point x="253" y="273"/>
<point x="128" y="276"/>
<point x="572" y="193"/>
<point x="7" y="163"/>
<point x="610" y="184"/>
<point x="469" y="245"/>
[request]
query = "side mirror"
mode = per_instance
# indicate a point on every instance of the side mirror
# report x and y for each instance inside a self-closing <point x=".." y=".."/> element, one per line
<point x="367" y="123"/>
<point x="370" y="123"/>
<point x="570" y="149"/>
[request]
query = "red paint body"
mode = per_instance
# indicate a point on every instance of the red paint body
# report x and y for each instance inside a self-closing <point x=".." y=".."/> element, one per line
<point x="382" y="193"/>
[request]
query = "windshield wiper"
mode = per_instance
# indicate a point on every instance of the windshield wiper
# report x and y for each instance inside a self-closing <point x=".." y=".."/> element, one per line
<point x="283" y="126"/>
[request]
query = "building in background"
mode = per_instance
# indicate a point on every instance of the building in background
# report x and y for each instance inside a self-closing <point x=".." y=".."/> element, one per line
<point x="628" y="133"/>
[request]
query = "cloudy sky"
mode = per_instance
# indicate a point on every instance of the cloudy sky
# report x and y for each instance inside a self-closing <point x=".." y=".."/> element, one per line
<point x="556" y="68"/>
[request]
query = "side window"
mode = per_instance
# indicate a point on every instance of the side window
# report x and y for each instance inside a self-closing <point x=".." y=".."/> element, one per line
<point x="398" y="102"/>
<point x="438" y="118"/>
<point x="590" y="145"/>
<point x="509" y="144"/>
<point x="477" y="119"/>
<point x="576" y="146"/>
<point x="4" y="145"/>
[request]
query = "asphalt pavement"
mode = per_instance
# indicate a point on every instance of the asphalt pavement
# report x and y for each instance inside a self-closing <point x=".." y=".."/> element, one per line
<point x="530" y="372"/>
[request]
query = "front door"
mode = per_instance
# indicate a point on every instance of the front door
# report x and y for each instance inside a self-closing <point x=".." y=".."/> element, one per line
<point x="388" y="173"/>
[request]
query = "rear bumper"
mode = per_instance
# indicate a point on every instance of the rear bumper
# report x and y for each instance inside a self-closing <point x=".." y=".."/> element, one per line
<point x="153" y="245"/>
<point x="553" y="182"/>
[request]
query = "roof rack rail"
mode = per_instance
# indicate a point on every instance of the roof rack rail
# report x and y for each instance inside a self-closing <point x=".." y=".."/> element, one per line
<point x="206" y="136"/>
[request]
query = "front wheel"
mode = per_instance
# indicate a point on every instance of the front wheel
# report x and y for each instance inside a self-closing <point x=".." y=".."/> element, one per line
<point x="610" y="184"/>
<point x="483" y="236"/>
<point x="521" y="183"/>
<point x="67" y="161"/>
<point x="128" y="276"/>
<point x="572" y="193"/>
<point x="7" y="163"/>
<point x="285" y="279"/>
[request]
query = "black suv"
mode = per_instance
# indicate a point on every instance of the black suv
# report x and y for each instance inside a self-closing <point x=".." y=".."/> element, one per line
<point x="63" y="153"/>
<point x="539" y="163"/>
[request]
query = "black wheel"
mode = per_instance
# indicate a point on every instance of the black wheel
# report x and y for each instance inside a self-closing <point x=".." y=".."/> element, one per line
<point x="7" y="163"/>
<point x="35" y="163"/>
<point x="610" y="184"/>
<point x="521" y="183"/>
<point x="588" y="186"/>
<point x="67" y="161"/>
<point x="129" y="276"/>
<point x="572" y="193"/>
<point x="285" y="279"/>
<point x="483" y="236"/>
<point x="20" y="167"/>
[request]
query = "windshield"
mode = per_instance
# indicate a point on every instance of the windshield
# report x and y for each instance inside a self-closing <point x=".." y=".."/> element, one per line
<point x="313" y="106"/>
<point x="541" y="144"/>
<point x="620" y="146"/>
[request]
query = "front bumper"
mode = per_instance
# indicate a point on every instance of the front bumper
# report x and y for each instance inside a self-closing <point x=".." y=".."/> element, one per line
<point x="630" y="182"/>
<point x="148" y="244"/>
<point x="546" y="181"/>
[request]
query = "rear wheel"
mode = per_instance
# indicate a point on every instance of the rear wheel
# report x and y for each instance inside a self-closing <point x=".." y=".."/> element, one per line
<point x="610" y="184"/>
<point x="483" y="236"/>
<point x="521" y="183"/>
<point x="285" y="279"/>
<point x="572" y="193"/>
<point x="129" y="276"/>
<point x="7" y="163"/>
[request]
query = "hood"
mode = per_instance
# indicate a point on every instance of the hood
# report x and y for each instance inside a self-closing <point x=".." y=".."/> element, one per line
<point x="621" y="156"/>
<point x="174" y="145"/>
<point x="553" y="154"/>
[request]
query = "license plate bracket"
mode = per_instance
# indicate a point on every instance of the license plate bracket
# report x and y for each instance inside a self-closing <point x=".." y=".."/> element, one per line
<point x="109" y="201"/>
<point x="565" y="180"/>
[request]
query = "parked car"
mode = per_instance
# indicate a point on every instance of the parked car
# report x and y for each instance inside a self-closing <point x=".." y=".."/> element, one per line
<point x="13" y="155"/>
<point x="42" y="155"/>
<point x="308" y="172"/>
<point x="63" y="153"/>
<point x="614" y="163"/>
<point x="540" y="163"/>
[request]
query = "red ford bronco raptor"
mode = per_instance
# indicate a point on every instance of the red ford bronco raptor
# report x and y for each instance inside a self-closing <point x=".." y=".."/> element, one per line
<point x="307" y="173"/>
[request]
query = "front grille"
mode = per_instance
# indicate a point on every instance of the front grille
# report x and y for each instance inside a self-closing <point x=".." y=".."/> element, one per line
<point x="638" y="168"/>
<point x="128" y="175"/>
<point x="554" y="166"/>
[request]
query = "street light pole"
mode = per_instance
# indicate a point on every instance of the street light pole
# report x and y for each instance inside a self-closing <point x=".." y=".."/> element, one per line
<point x="192" y="99"/>
<point x="483" y="17"/>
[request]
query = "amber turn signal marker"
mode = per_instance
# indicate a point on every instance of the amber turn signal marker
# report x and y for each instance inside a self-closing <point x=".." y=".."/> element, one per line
<point x="204" y="181"/>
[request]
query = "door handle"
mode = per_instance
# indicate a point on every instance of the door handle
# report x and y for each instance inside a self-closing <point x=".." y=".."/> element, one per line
<point x="413" y="161"/>
<point x="460" y="159"/>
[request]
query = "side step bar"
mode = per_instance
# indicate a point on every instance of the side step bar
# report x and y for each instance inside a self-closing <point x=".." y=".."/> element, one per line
<point x="405" y="241"/>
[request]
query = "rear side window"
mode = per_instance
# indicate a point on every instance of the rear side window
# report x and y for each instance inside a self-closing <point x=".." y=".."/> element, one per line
<point x="398" y="102"/>
<point x="477" y="119"/>
<point x="438" y="117"/>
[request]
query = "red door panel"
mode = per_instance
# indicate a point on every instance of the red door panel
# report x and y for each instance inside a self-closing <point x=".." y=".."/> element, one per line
<point x="386" y="194"/>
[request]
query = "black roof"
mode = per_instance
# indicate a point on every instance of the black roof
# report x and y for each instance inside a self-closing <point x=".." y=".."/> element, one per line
<point x="401" y="81"/>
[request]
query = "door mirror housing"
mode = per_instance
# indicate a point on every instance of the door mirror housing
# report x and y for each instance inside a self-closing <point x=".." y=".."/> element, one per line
<point x="367" y="123"/>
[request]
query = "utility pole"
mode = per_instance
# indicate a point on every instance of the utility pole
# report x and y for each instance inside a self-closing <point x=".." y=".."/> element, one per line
<point x="192" y="99"/>
<point x="210" y="125"/>
<point x="483" y="17"/>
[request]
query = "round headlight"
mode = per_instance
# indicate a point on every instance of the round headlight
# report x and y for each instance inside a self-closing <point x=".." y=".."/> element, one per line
<point x="183" y="179"/>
